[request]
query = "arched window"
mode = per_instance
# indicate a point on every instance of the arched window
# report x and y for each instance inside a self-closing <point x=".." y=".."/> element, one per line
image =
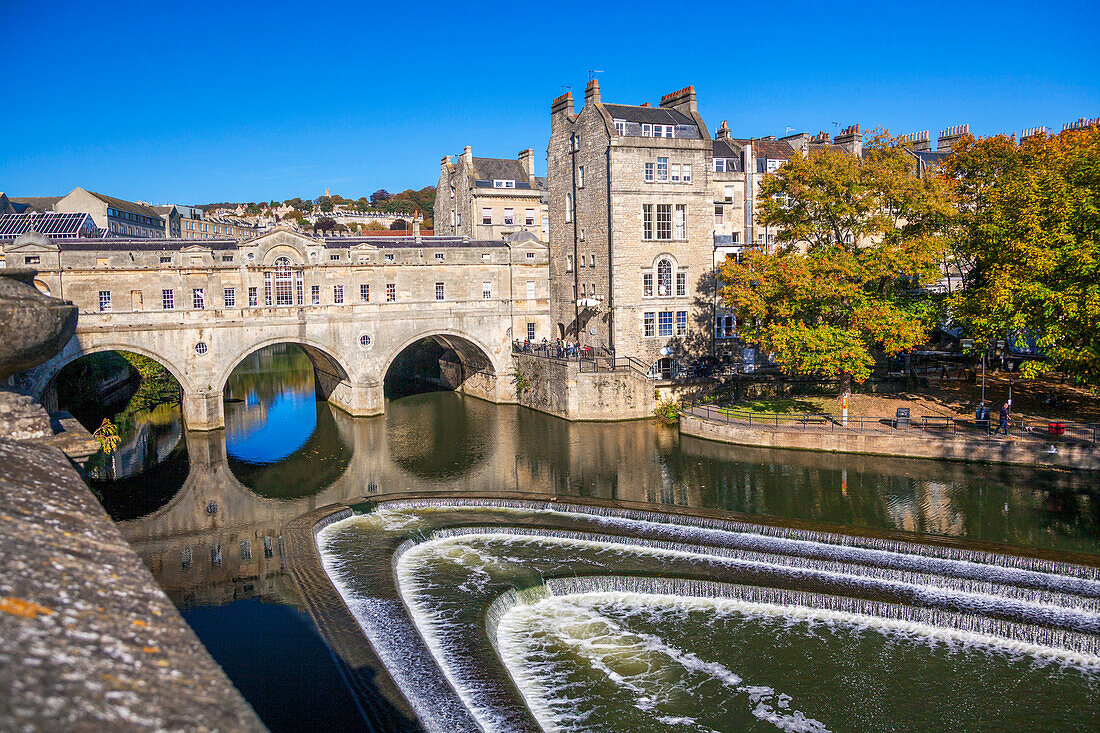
<point x="664" y="278"/>
<point x="287" y="283"/>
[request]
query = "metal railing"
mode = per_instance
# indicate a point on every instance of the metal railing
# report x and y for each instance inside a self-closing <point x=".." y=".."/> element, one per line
<point x="1039" y="429"/>
<point x="589" y="360"/>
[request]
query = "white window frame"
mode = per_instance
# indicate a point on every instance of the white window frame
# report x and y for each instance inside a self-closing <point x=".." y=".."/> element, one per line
<point x="680" y="323"/>
<point x="530" y="331"/>
<point x="674" y="173"/>
<point x="198" y="299"/>
<point x="509" y="217"/>
<point x="530" y="290"/>
<point x="664" y="323"/>
<point x="529" y="217"/>
<point x="620" y="127"/>
<point x="647" y="221"/>
<point x="168" y="299"/>
<point x="649" y="324"/>
<point x="686" y="173"/>
<point x="679" y="222"/>
<point x="663" y="222"/>
<point x="315" y="294"/>
<point x="391" y="292"/>
<point x="662" y="170"/>
<point x="338" y="294"/>
<point x="647" y="130"/>
<point x="681" y="284"/>
<point x="487" y="215"/>
<point x="487" y="290"/>
<point x="719" y="213"/>
<point x="364" y="292"/>
<point x="649" y="171"/>
<point x="503" y="183"/>
<point x="647" y="284"/>
<point x="229" y="297"/>
<point x="440" y="291"/>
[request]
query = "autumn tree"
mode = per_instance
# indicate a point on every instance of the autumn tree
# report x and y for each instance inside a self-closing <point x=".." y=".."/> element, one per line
<point x="379" y="197"/>
<point x="1028" y="226"/>
<point x="857" y="239"/>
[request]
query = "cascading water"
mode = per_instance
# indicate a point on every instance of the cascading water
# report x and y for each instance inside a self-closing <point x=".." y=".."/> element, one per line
<point x="506" y="615"/>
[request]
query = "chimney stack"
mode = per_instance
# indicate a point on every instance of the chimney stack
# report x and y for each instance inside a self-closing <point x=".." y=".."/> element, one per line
<point x="526" y="160"/>
<point x="468" y="155"/>
<point x="592" y="92"/>
<point x="682" y="100"/>
<point x="949" y="136"/>
<point x="918" y="142"/>
<point x="723" y="132"/>
<point x="851" y="139"/>
<point x="561" y="109"/>
<point x="821" y="138"/>
<point x="416" y="229"/>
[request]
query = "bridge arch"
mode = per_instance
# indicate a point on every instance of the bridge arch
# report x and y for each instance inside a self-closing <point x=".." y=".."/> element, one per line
<point x="475" y="368"/>
<point x="328" y="370"/>
<point x="42" y="377"/>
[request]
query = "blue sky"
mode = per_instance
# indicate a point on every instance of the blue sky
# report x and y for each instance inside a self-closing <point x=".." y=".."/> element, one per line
<point x="199" y="102"/>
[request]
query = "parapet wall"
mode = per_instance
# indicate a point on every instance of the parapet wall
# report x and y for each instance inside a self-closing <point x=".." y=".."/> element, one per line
<point x="88" y="641"/>
<point x="960" y="448"/>
<point x="560" y="388"/>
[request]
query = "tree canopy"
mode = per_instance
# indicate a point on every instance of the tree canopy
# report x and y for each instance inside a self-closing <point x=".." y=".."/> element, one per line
<point x="1028" y="227"/>
<point x="857" y="238"/>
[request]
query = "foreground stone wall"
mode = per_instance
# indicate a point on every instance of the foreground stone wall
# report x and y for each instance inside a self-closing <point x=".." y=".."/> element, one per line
<point x="560" y="388"/>
<point x="88" y="641"/>
<point x="961" y="448"/>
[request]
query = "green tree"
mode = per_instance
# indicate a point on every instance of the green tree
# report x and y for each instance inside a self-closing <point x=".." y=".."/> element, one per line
<point x="1028" y="227"/>
<point x="857" y="238"/>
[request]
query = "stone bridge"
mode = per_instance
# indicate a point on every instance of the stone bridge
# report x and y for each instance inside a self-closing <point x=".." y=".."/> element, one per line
<point x="353" y="305"/>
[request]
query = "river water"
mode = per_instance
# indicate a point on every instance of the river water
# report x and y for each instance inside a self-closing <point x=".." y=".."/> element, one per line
<point x="207" y="521"/>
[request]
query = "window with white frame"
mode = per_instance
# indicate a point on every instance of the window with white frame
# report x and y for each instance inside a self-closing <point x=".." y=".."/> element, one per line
<point x="504" y="183"/>
<point x="735" y="238"/>
<point x="719" y="165"/>
<point x="580" y="176"/>
<point x="104" y="301"/>
<point x="486" y="215"/>
<point x="546" y="225"/>
<point x="663" y="130"/>
<point x="664" y="323"/>
<point x="364" y="292"/>
<point x="664" y="278"/>
<point x="529" y="217"/>
<point x="647" y="221"/>
<point x="315" y="294"/>
<point x="649" y="324"/>
<point x="253" y="297"/>
<point x="530" y="331"/>
<point x="168" y="299"/>
<point x="198" y="300"/>
<point x="509" y="217"/>
<point x="681" y="323"/>
<point x="439" y="256"/>
<point x="674" y="173"/>
<point x="391" y="292"/>
<point x="662" y="170"/>
<point x="664" y="221"/>
<point x="620" y="127"/>
<point x="649" y="172"/>
<point x="725" y="327"/>
<point x="229" y="297"/>
<point x="487" y="290"/>
<point x="591" y="260"/>
<point x="439" y="292"/>
<point x="338" y="294"/>
<point x="568" y="207"/>
<point x="647" y="284"/>
<point x="530" y="290"/>
<point x="686" y="177"/>
<point x="679" y="222"/>
<point x="719" y="214"/>
<point x="728" y="193"/>
<point x="681" y="284"/>
<point x="569" y="263"/>
<point x="647" y="130"/>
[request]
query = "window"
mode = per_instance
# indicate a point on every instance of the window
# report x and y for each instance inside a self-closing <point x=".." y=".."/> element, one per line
<point x="529" y="217"/>
<point x="389" y="258"/>
<point x="227" y="258"/>
<point x="253" y="298"/>
<point x="530" y="331"/>
<point x="687" y="173"/>
<point x="724" y="327"/>
<point x="569" y="263"/>
<point x="675" y="173"/>
<point x="439" y="292"/>
<point x="591" y="260"/>
<point x="229" y="297"/>
<point x="620" y="127"/>
<point x="580" y="176"/>
<point x="680" y="222"/>
<point x="546" y="225"/>
<point x="719" y="165"/>
<point x="719" y="214"/>
<point x="486" y="290"/>
<point x="649" y="172"/>
<point x="568" y="208"/>
<point x="662" y="130"/>
<point x="315" y="294"/>
<point x="338" y="294"/>
<point x="681" y="322"/>
<point x="509" y="217"/>
<point x="664" y="278"/>
<point x="284" y="276"/>
<point x="647" y="284"/>
<point x="502" y="183"/>
<point x="530" y="290"/>
<point x="648" y="324"/>
<point x="334" y="257"/>
<point x="530" y="255"/>
<point x="681" y="284"/>
<point x="662" y="169"/>
<point x="168" y="299"/>
<point x="198" y="299"/>
<point x="486" y="216"/>
<point x="729" y="193"/>
<point x="664" y="323"/>
<point x="391" y="292"/>
<point x="166" y="260"/>
<point x="485" y="256"/>
<point x="664" y="221"/>
<point x="439" y="256"/>
<point x="364" y="292"/>
<point x="735" y="238"/>
<point x="647" y="130"/>
<point x="647" y="221"/>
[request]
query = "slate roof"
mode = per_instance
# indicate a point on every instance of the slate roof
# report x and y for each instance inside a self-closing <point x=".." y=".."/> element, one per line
<point x="34" y="203"/>
<point x="124" y="205"/>
<point x="487" y="169"/>
<point x="726" y="149"/>
<point x="648" y="115"/>
<point x="772" y="149"/>
<point x="144" y="245"/>
<point x="407" y="242"/>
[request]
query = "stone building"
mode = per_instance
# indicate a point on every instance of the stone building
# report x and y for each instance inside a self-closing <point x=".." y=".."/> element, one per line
<point x="118" y="217"/>
<point x="490" y="198"/>
<point x="631" y="227"/>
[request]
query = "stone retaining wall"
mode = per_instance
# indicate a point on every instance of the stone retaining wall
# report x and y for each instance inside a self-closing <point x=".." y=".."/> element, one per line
<point x="1027" y="452"/>
<point x="560" y="388"/>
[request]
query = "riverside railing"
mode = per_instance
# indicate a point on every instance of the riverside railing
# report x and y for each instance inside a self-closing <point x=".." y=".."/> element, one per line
<point x="1039" y="429"/>
<point x="588" y="360"/>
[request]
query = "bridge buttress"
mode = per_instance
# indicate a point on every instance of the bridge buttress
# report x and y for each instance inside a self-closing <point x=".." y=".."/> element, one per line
<point x="203" y="410"/>
<point x="358" y="399"/>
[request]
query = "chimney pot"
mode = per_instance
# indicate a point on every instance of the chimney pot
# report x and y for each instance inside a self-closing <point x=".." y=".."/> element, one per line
<point x="592" y="92"/>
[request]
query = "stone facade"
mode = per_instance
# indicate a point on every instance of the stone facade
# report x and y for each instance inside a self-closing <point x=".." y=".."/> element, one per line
<point x="631" y="220"/>
<point x="352" y="304"/>
<point x="117" y="217"/>
<point x="490" y="198"/>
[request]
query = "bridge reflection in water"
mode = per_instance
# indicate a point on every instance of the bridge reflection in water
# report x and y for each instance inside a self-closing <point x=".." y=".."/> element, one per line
<point x="217" y="539"/>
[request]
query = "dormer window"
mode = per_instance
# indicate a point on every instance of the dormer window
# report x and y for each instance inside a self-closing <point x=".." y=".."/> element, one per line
<point x="503" y="183"/>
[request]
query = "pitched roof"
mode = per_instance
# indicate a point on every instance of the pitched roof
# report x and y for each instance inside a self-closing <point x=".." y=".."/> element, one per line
<point x="124" y="205"/>
<point x="648" y="115"/>
<point x="51" y="224"/>
<point x="772" y="149"/>
<point x="488" y="169"/>
<point x="34" y="203"/>
<point x="726" y="149"/>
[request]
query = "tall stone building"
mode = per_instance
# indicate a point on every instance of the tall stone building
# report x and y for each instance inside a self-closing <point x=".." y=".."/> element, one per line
<point x="490" y="198"/>
<point x="631" y="227"/>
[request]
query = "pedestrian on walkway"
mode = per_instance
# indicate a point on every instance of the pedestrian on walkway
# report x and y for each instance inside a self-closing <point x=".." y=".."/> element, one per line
<point x="1003" y="424"/>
